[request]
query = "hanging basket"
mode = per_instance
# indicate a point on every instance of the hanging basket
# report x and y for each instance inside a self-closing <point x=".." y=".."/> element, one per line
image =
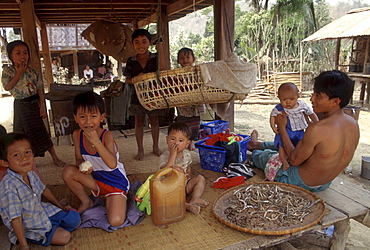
<point x="178" y="87"/>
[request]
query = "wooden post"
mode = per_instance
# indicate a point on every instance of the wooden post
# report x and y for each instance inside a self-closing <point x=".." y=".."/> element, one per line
<point x="337" y="52"/>
<point x="366" y="54"/>
<point x="75" y="63"/>
<point x="224" y="41"/>
<point x="46" y="55"/>
<point x="29" y="32"/>
<point x="165" y="36"/>
<point x="340" y="236"/>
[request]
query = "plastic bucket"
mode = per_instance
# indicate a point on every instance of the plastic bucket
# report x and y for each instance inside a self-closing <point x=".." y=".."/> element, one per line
<point x="365" y="167"/>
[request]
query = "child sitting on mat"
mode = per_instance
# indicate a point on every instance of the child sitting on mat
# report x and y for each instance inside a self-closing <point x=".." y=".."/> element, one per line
<point x="97" y="166"/>
<point x="178" y="156"/>
<point x="190" y="115"/>
<point x="297" y="112"/>
<point x="28" y="219"/>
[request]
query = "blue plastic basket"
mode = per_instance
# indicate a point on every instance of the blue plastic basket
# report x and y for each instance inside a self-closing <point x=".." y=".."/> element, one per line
<point x="215" y="127"/>
<point x="213" y="158"/>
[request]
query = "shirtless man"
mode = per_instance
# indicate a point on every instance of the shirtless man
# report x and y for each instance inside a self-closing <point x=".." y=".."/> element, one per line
<point x="327" y="146"/>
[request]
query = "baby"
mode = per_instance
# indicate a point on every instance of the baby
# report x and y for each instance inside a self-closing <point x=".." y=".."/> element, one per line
<point x="298" y="113"/>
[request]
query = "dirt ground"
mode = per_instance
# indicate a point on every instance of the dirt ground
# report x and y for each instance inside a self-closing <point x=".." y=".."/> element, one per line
<point x="256" y="116"/>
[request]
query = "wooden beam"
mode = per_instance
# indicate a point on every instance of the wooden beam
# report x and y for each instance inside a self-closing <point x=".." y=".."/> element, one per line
<point x="165" y="36"/>
<point x="224" y="43"/>
<point x="366" y="54"/>
<point x="75" y="64"/>
<point x="337" y="52"/>
<point x="46" y="55"/>
<point x="151" y="19"/>
<point x="182" y="5"/>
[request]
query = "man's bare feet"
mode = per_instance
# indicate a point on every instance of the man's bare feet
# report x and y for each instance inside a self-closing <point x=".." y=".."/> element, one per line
<point x="254" y="143"/>
<point x="84" y="206"/>
<point x="59" y="162"/>
<point x="140" y="155"/>
<point x="157" y="151"/>
<point x="195" y="209"/>
<point x="199" y="202"/>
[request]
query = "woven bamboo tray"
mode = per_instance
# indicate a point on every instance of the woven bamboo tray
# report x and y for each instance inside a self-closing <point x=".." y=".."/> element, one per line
<point x="178" y="87"/>
<point x="226" y="199"/>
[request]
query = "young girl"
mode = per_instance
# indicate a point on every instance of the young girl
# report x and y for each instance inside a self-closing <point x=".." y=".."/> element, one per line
<point x="178" y="156"/>
<point x="25" y="84"/>
<point x="96" y="147"/>
<point x="297" y="112"/>
<point x="189" y="115"/>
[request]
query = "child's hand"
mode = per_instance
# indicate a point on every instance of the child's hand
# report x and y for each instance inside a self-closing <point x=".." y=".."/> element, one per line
<point x="89" y="171"/>
<point x="91" y="135"/>
<point x="20" y="67"/>
<point x="275" y="130"/>
<point x="174" y="149"/>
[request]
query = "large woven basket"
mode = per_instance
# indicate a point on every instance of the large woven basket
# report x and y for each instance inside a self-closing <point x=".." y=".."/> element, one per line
<point x="178" y="87"/>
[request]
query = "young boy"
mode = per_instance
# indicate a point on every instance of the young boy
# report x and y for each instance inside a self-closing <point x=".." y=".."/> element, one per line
<point x="96" y="146"/>
<point x="3" y="170"/>
<point x="297" y="111"/>
<point x="29" y="219"/>
<point x="178" y="156"/>
<point x="143" y="62"/>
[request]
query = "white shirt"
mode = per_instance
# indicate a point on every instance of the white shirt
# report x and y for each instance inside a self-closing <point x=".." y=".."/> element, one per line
<point x="296" y="115"/>
<point x="88" y="72"/>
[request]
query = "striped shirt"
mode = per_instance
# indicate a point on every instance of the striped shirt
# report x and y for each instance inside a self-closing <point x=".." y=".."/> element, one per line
<point x="296" y="115"/>
<point x="101" y="172"/>
<point x="133" y="68"/>
<point x="20" y="200"/>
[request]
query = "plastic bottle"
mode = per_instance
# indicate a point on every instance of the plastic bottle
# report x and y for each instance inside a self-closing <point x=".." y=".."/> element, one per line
<point x="167" y="196"/>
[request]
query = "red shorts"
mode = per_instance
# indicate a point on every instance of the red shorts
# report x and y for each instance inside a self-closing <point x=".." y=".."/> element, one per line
<point x="107" y="190"/>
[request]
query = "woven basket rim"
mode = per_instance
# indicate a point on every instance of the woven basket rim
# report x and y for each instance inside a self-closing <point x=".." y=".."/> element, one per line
<point x="270" y="232"/>
<point x="162" y="73"/>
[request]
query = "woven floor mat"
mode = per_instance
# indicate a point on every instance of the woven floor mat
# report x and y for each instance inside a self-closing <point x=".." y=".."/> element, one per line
<point x="194" y="232"/>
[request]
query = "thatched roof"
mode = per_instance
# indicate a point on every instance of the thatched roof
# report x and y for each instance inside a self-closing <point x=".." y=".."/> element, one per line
<point x="354" y="23"/>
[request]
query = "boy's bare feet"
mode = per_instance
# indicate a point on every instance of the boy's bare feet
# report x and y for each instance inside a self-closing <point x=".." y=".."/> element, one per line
<point x="199" y="202"/>
<point x="157" y="151"/>
<point x="59" y="162"/>
<point x="195" y="209"/>
<point x="140" y="155"/>
<point x="84" y="206"/>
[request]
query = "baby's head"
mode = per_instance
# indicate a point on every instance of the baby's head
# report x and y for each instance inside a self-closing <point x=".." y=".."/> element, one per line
<point x="185" y="57"/>
<point x="16" y="152"/>
<point x="179" y="134"/>
<point x="288" y="95"/>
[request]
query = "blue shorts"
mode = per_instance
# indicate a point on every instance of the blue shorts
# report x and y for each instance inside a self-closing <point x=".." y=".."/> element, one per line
<point x="68" y="220"/>
<point x="289" y="176"/>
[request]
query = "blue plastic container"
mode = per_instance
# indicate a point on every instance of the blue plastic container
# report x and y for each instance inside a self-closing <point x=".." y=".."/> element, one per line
<point x="215" y="127"/>
<point x="213" y="158"/>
